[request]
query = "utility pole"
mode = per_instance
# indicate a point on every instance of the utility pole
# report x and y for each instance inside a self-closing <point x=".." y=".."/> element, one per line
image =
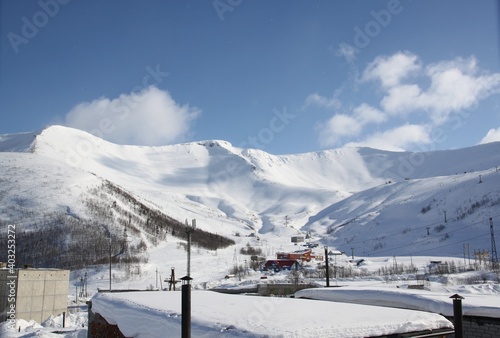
<point x="108" y="233"/>
<point x="468" y="252"/>
<point x="327" y="268"/>
<point x="110" y="262"/>
<point x="494" y="257"/>
<point x="189" y="231"/>
<point x="464" y="256"/>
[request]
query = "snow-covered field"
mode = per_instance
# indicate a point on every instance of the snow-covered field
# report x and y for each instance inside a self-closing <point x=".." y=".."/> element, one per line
<point x="337" y="312"/>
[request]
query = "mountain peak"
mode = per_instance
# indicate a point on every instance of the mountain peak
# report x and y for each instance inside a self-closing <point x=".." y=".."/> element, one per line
<point x="215" y="143"/>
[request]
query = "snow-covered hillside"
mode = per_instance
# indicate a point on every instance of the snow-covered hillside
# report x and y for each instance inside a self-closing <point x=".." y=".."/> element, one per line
<point x="370" y="201"/>
<point x="68" y="192"/>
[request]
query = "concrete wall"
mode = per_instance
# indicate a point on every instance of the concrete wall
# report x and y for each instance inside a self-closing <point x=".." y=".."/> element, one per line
<point x="40" y="293"/>
<point x="4" y="293"/>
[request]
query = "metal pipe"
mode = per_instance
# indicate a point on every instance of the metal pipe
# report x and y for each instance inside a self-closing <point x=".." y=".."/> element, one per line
<point x="186" y="306"/>
<point x="457" y="315"/>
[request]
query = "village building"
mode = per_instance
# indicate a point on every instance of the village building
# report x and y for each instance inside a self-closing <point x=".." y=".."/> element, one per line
<point x="298" y="239"/>
<point x="305" y="255"/>
<point x="33" y="294"/>
<point x="281" y="264"/>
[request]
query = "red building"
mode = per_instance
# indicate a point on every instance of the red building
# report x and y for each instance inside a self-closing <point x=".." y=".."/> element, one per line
<point x="300" y="255"/>
<point x="281" y="264"/>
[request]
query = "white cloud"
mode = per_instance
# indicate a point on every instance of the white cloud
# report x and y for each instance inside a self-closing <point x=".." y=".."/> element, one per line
<point x="397" y="139"/>
<point x="401" y="100"/>
<point x="365" y="114"/>
<point x="454" y="86"/>
<point x="410" y="101"/>
<point x="324" y="102"/>
<point x="342" y="126"/>
<point x="493" y="135"/>
<point x="391" y="70"/>
<point x="337" y="127"/>
<point x="149" y="117"/>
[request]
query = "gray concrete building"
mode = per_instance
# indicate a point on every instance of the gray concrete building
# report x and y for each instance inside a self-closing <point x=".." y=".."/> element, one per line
<point x="35" y="294"/>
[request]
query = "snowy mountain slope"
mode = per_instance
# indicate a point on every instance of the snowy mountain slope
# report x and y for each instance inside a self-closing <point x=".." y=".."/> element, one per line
<point x="415" y="217"/>
<point x="32" y="186"/>
<point x="342" y="194"/>
<point x="188" y="178"/>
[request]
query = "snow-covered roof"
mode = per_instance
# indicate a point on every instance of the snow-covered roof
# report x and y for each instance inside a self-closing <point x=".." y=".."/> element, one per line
<point x="155" y="313"/>
<point x="487" y="305"/>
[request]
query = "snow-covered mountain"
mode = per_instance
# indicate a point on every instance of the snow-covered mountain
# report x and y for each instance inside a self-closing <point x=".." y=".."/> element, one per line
<point x="370" y="201"/>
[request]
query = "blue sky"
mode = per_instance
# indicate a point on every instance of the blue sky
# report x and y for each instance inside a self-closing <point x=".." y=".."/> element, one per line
<point x="285" y="77"/>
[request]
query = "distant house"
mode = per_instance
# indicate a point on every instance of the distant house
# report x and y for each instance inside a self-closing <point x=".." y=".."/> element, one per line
<point x="298" y="239"/>
<point x="300" y="255"/>
<point x="281" y="264"/>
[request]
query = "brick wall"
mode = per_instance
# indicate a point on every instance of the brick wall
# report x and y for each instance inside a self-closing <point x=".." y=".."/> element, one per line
<point x="480" y="327"/>
<point x="100" y="328"/>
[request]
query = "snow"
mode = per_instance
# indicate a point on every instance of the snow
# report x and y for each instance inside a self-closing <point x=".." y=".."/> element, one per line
<point x="75" y="327"/>
<point x="152" y="314"/>
<point x="437" y="302"/>
<point x="360" y="200"/>
<point x="230" y="189"/>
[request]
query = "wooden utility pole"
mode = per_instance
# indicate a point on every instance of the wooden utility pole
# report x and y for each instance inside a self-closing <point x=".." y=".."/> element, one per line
<point x="327" y="268"/>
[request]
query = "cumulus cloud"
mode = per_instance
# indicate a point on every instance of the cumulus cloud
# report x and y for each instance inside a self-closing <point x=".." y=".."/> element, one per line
<point x="397" y="139"/>
<point x="493" y="135"/>
<point x="341" y="126"/>
<point x="337" y="127"/>
<point x="148" y="117"/>
<point x="455" y="85"/>
<point x="365" y="114"/>
<point x="391" y="70"/>
<point x="407" y="90"/>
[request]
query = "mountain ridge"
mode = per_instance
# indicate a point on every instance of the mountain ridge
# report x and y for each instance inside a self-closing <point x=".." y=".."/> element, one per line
<point x="233" y="190"/>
